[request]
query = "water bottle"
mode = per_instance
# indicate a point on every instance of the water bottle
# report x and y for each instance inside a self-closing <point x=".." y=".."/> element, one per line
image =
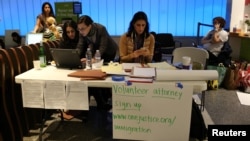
<point x="97" y="56"/>
<point x="42" y="56"/>
<point x="89" y="59"/>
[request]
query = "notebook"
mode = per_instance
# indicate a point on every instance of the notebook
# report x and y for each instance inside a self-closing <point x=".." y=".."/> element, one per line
<point x="89" y="74"/>
<point x="66" y="58"/>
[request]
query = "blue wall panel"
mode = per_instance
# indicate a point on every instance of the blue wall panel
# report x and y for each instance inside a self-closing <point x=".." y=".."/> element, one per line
<point x="164" y="13"/>
<point x="111" y="17"/>
<point x="119" y="18"/>
<point x="179" y="17"/>
<point x="94" y="9"/>
<point x="190" y="18"/>
<point x="153" y="16"/>
<point x="181" y="9"/>
<point x="127" y="14"/>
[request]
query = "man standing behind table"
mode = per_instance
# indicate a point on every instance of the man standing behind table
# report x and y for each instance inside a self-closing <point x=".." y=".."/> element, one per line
<point x="95" y="36"/>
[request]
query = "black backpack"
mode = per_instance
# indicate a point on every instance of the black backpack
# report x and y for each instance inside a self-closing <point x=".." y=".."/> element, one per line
<point x="198" y="128"/>
<point x="223" y="57"/>
<point x="225" y="54"/>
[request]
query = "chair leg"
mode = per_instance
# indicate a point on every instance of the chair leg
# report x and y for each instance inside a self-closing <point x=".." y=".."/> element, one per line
<point x="202" y="105"/>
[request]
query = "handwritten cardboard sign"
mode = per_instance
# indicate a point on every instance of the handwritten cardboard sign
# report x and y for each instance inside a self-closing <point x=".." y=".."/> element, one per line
<point x="152" y="112"/>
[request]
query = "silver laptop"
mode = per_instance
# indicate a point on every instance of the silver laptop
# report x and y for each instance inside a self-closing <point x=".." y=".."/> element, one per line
<point x="33" y="38"/>
<point x="66" y="58"/>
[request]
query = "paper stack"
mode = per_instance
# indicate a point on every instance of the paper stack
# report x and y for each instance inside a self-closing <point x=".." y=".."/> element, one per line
<point x="142" y="74"/>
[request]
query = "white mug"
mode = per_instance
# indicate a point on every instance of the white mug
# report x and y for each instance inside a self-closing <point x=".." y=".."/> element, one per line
<point x="186" y="61"/>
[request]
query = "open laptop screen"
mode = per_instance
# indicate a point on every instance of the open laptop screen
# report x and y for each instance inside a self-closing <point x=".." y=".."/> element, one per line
<point x="66" y="58"/>
<point x="33" y="38"/>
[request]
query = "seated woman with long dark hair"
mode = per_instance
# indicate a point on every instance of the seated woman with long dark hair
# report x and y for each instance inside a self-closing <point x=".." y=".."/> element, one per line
<point x="70" y="35"/>
<point x="69" y="40"/>
<point x="137" y="44"/>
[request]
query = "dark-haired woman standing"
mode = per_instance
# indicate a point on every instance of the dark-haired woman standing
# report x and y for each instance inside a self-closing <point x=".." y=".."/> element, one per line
<point x="47" y="11"/>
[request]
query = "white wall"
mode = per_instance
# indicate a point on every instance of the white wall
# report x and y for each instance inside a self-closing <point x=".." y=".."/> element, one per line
<point x="237" y="13"/>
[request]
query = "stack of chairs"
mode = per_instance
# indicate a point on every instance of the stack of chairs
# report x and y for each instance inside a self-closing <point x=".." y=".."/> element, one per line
<point x="56" y="43"/>
<point x="15" y="120"/>
<point x="47" y="46"/>
<point x="7" y="126"/>
<point x="10" y="98"/>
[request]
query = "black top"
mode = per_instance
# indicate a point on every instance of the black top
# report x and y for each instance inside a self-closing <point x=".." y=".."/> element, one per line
<point x="68" y="44"/>
<point x="98" y="39"/>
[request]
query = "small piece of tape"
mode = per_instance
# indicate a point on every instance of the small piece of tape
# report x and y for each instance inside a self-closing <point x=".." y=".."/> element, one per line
<point x="118" y="78"/>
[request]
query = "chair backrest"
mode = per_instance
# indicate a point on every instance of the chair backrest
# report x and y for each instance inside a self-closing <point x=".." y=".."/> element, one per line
<point x="17" y="64"/>
<point x="9" y="95"/>
<point x="153" y="33"/>
<point x="24" y="66"/>
<point x="165" y="39"/>
<point x="8" y="132"/>
<point x="15" y="61"/>
<point x="28" y="52"/>
<point x="57" y="43"/>
<point x="35" y="49"/>
<point x="197" y="55"/>
<point x="51" y="44"/>
<point x="47" y="51"/>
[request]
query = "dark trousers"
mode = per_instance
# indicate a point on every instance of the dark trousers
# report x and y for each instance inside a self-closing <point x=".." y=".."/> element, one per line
<point x="101" y="96"/>
<point x="212" y="60"/>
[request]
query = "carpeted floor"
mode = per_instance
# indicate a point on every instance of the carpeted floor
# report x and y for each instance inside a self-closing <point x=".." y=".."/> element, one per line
<point x="96" y="128"/>
<point x="224" y="107"/>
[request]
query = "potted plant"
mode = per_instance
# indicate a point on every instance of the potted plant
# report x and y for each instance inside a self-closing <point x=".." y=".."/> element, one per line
<point x="247" y="25"/>
<point x="247" y="22"/>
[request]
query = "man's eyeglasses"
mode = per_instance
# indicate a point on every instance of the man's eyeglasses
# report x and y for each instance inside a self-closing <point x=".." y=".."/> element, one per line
<point x="82" y="29"/>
